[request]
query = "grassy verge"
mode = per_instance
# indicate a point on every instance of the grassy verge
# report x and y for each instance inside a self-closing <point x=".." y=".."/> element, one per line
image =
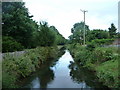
<point x="104" y="61"/>
<point x="16" y="68"/>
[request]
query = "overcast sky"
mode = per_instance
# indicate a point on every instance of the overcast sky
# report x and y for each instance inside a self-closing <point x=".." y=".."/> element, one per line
<point x="63" y="14"/>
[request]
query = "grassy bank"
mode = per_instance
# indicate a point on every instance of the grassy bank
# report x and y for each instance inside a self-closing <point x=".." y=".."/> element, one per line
<point x="104" y="61"/>
<point x="16" y="68"/>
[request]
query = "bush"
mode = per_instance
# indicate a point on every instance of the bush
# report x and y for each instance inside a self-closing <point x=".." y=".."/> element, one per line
<point x="102" y="54"/>
<point x="8" y="80"/>
<point x="23" y="66"/>
<point x="80" y="53"/>
<point x="91" y="46"/>
<point x="10" y="45"/>
<point x="100" y="42"/>
<point x="102" y="60"/>
<point x="108" y="73"/>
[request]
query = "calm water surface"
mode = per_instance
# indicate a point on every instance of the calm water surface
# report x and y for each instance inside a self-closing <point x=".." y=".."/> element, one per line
<point x="62" y="73"/>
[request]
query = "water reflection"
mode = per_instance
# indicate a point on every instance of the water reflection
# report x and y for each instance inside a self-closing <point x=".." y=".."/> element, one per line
<point x="79" y="74"/>
<point x="43" y="76"/>
<point x="45" y="79"/>
<point x="62" y="73"/>
<point x="40" y="80"/>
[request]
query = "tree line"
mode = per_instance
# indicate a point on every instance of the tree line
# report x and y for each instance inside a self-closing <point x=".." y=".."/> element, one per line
<point x="92" y="35"/>
<point x="20" y="31"/>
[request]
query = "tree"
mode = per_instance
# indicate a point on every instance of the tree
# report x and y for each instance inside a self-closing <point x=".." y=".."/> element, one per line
<point x="54" y="29"/>
<point x="97" y="34"/>
<point x="77" y="31"/>
<point x="59" y="39"/>
<point x="118" y="34"/>
<point x="18" y="23"/>
<point x="9" y="44"/>
<point x="45" y="36"/>
<point x="112" y="31"/>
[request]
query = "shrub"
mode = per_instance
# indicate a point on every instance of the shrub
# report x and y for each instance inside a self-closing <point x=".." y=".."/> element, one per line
<point x="108" y="73"/>
<point x="10" y="45"/>
<point x="23" y="66"/>
<point x="91" y="46"/>
<point x="102" y="54"/>
<point x="102" y="60"/>
<point x="8" y="80"/>
<point x="99" y="42"/>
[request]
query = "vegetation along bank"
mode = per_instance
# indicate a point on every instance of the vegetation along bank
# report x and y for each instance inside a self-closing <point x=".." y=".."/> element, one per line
<point x="102" y="60"/>
<point x="18" y="68"/>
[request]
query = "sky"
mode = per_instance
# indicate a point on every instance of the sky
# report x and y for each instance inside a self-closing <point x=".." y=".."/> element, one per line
<point x="63" y="14"/>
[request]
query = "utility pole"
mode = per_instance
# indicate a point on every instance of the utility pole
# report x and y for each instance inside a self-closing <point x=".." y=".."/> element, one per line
<point x="84" y="11"/>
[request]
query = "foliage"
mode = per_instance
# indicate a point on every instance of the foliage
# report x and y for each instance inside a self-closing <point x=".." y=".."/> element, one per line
<point x="97" y="34"/>
<point x="10" y="45"/>
<point x="45" y="36"/>
<point x="98" y="55"/>
<point x="102" y="60"/>
<point x="59" y="39"/>
<point x="77" y="32"/>
<point x="100" y="42"/>
<point x="112" y="31"/>
<point x="103" y="54"/>
<point x="91" y="46"/>
<point x="106" y="74"/>
<point x="118" y="35"/>
<point x="15" y="68"/>
<point x="18" y="23"/>
<point x="8" y="80"/>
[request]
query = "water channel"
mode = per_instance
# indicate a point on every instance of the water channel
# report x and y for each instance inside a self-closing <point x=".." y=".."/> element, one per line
<point x="63" y="73"/>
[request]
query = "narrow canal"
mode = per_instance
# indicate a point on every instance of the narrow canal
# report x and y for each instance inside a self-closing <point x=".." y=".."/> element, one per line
<point x="63" y="73"/>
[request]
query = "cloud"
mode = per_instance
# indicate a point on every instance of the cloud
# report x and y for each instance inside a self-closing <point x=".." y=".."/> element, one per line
<point x="64" y="13"/>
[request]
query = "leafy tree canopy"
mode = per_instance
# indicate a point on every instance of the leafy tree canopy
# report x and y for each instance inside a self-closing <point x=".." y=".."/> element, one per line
<point x="18" y="23"/>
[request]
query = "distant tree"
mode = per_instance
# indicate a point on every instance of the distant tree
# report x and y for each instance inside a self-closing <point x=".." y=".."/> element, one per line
<point x="77" y="30"/>
<point x="118" y="35"/>
<point x="97" y="34"/>
<point x="112" y="31"/>
<point x="59" y="39"/>
<point x="45" y="36"/>
<point x="54" y="29"/>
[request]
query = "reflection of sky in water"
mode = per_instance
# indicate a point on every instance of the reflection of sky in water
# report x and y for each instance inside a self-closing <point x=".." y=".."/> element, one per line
<point x="61" y="68"/>
<point x="36" y="83"/>
<point x="62" y="78"/>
